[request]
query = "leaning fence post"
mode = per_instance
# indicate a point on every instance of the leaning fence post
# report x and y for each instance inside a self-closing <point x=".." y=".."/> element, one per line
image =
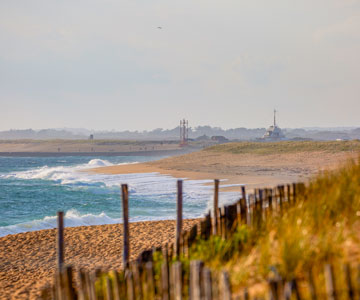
<point x="179" y="217"/>
<point x="126" y="239"/>
<point x="216" y="205"/>
<point x="60" y="241"/>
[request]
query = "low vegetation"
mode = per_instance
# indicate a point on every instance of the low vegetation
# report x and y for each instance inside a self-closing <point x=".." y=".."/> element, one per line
<point x="264" y="148"/>
<point x="322" y="227"/>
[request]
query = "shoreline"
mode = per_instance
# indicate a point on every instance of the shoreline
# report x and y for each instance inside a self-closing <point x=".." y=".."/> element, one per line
<point x="104" y="153"/>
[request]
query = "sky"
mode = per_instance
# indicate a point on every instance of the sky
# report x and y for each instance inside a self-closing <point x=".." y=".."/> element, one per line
<point x="106" y="64"/>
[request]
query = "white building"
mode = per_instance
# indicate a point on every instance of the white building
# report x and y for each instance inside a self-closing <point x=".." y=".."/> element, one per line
<point x="274" y="133"/>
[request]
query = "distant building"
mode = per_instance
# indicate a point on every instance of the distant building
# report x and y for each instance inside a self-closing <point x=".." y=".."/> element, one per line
<point x="202" y="138"/>
<point x="219" y="139"/>
<point x="274" y="133"/>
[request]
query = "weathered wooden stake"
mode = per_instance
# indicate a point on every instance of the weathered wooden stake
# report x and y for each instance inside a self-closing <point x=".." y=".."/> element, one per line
<point x="195" y="279"/>
<point x="109" y="292"/>
<point x="179" y="217"/>
<point x="116" y="285"/>
<point x="176" y="281"/>
<point x="150" y="280"/>
<point x="349" y="283"/>
<point x="60" y="244"/>
<point x="216" y="206"/>
<point x="244" y="207"/>
<point x="206" y="283"/>
<point x="165" y="280"/>
<point x="130" y="289"/>
<point x="126" y="239"/>
<point x="312" y="286"/>
<point x="225" y="290"/>
<point x="330" y="282"/>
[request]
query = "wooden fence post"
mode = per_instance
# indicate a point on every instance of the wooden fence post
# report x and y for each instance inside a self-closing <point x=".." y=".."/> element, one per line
<point x="294" y="192"/>
<point x="130" y="289"/>
<point x="225" y="290"/>
<point x="288" y="189"/>
<point x="135" y="268"/>
<point x="60" y="241"/>
<point x="109" y="290"/>
<point x="116" y="285"/>
<point x="216" y="206"/>
<point x="178" y="217"/>
<point x="349" y="283"/>
<point x="330" y="282"/>
<point x="126" y="239"/>
<point x="206" y="284"/>
<point x="312" y="286"/>
<point x="150" y="281"/>
<point x="82" y="294"/>
<point x="176" y="281"/>
<point x="195" y="279"/>
<point x="243" y="206"/>
<point x="165" y="280"/>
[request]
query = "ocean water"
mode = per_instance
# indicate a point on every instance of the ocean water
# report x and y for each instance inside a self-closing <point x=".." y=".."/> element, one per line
<point x="33" y="189"/>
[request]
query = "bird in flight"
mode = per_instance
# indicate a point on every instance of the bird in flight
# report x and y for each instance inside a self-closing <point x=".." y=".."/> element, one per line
<point x="159" y="27"/>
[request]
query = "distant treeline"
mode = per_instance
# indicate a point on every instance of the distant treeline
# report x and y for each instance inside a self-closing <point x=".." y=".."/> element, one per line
<point x="199" y="132"/>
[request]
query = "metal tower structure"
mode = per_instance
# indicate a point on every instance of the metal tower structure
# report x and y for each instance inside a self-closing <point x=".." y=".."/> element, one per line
<point x="275" y="111"/>
<point x="184" y="132"/>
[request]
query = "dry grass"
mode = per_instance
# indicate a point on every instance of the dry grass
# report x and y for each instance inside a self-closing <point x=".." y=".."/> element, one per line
<point x="323" y="226"/>
<point x="263" y="148"/>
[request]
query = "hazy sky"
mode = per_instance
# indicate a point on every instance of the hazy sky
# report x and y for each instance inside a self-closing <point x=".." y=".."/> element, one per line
<point x="104" y="64"/>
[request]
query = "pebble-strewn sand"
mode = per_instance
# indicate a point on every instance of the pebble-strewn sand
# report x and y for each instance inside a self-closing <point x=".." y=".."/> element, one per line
<point x="28" y="260"/>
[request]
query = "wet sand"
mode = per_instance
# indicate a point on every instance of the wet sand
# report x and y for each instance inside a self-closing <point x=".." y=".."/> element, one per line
<point x="28" y="260"/>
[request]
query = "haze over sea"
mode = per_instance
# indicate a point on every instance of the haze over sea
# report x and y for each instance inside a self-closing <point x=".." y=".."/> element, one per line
<point x="33" y="189"/>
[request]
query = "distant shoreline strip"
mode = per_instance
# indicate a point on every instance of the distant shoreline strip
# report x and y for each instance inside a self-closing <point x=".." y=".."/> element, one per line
<point x="131" y="153"/>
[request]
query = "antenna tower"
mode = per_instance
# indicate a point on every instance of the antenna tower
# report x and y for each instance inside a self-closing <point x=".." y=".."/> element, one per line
<point x="184" y="132"/>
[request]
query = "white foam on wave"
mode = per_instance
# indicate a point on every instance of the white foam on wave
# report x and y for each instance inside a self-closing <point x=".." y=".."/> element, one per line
<point x="66" y="175"/>
<point x="198" y="197"/>
<point x="72" y="218"/>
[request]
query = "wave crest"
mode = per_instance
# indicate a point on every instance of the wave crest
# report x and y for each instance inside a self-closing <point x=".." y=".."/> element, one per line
<point x="72" y="218"/>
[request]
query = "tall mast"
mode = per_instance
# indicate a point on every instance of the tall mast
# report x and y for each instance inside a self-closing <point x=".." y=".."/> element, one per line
<point x="274" y="117"/>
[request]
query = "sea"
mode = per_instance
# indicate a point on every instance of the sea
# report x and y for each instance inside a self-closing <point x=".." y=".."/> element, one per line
<point x="33" y="189"/>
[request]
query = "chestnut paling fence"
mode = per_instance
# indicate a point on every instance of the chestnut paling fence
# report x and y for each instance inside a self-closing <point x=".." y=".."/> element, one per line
<point x="159" y="273"/>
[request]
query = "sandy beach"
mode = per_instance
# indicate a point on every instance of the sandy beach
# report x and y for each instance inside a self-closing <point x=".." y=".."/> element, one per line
<point x="253" y="171"/>
<point x="28" y="260"/>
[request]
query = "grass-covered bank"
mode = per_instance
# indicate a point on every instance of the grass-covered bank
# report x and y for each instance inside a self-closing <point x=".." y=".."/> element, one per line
<point x="264" y="148"/>
<point x="322" y="227"/>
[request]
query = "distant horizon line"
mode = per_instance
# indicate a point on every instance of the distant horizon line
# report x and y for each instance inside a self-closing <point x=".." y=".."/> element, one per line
<point x="165" y="129"/>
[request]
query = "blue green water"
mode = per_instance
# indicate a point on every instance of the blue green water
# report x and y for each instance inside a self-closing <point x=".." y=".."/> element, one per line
<point x="33" y="189"/>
